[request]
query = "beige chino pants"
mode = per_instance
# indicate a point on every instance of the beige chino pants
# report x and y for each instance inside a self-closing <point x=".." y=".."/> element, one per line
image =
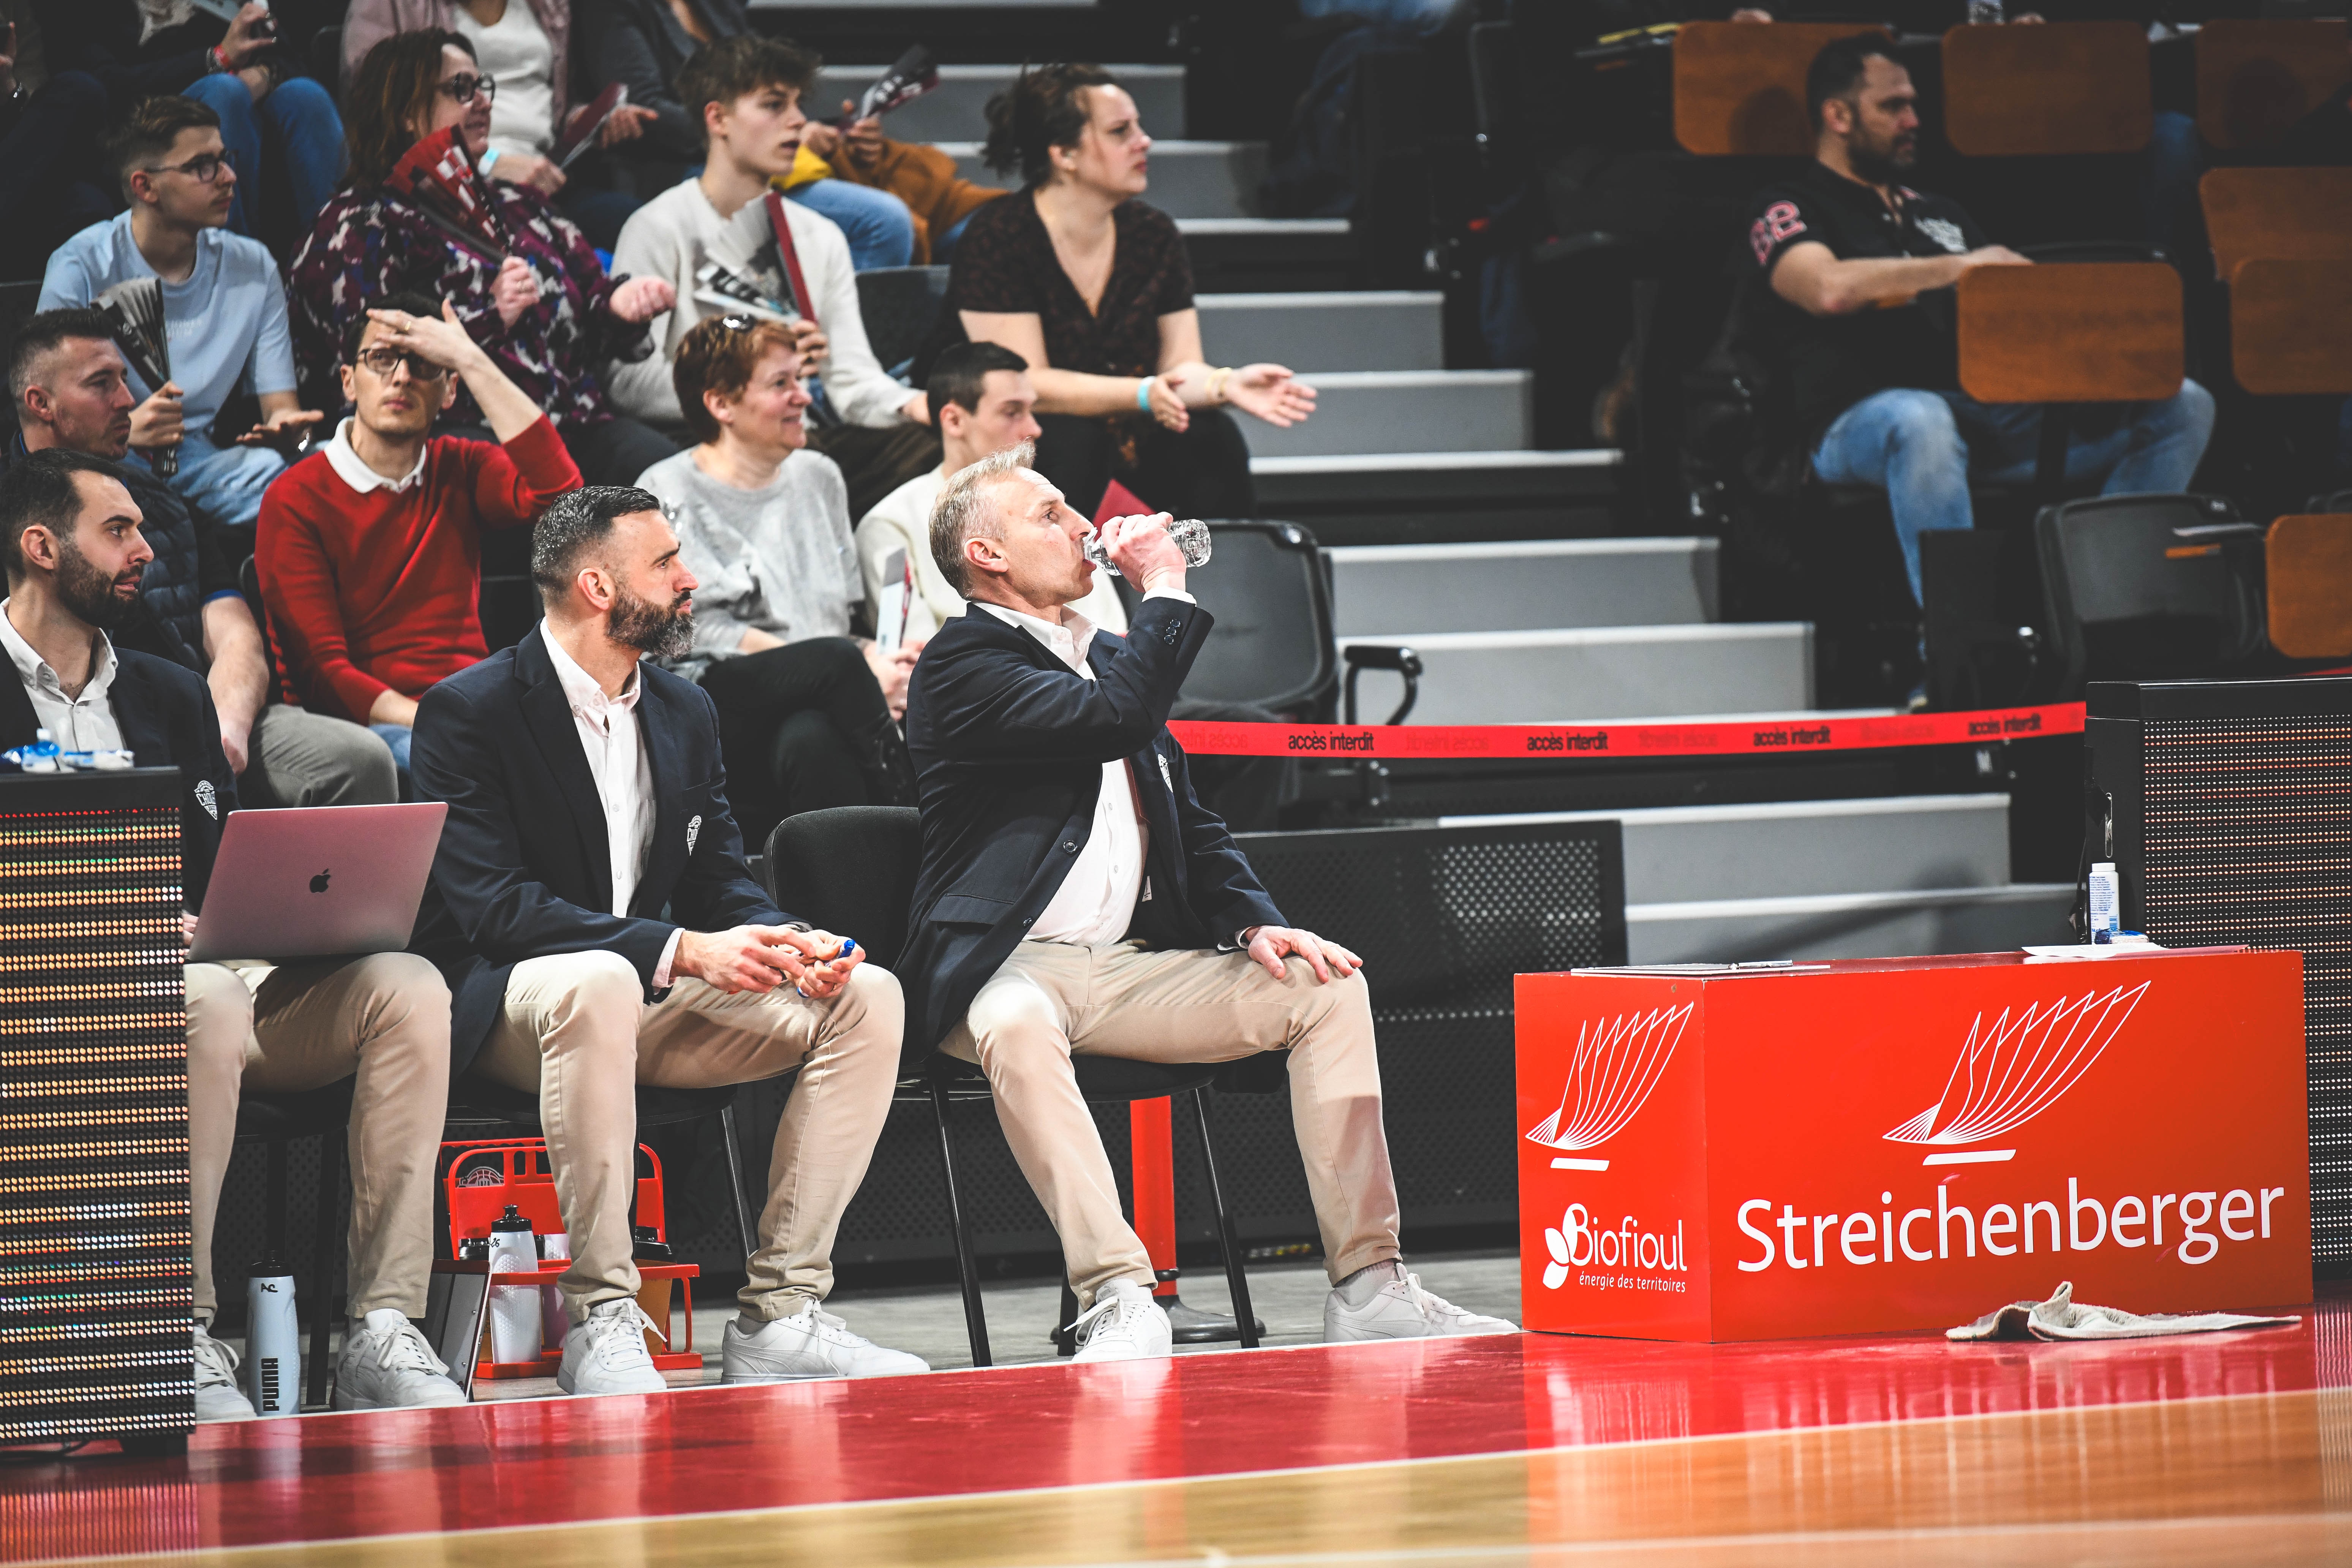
<point x="576" y="1029"/>
<point x="1053" y="999"/>
<point x="304" y="1025"/>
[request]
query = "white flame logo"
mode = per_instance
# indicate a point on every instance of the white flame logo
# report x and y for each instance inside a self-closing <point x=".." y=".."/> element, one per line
<point x="1618" y="1062"/>
<point x="2014" y="1071"/>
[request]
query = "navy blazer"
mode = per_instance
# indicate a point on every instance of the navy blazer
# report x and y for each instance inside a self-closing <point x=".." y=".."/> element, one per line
<point x="166" y="717"/>
<point x="1009" y="744"/>
<point x="523" y="869"/>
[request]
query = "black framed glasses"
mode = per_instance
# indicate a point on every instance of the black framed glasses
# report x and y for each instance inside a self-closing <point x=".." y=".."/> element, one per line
<point x="464" y="89"/>
<point x="382" y="362"/>
<point x="205" y="168"/>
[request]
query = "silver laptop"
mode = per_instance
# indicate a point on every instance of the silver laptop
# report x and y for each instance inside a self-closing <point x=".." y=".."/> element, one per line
<point x="321" y="881"/>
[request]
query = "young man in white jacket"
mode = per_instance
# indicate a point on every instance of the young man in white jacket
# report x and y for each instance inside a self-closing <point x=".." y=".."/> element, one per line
<point x="747" y="92"/>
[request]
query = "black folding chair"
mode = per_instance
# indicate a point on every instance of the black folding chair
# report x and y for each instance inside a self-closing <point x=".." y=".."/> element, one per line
<point x="852" y="870"/>
<point x="2148" y="587"/>
<point x="899" y="306"/>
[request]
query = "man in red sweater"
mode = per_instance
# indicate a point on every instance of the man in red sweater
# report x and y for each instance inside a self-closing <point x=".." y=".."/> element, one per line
<point x="370" y="548"/>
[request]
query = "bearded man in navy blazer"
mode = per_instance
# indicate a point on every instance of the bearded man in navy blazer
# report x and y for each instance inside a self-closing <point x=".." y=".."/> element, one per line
<point x="1075" y="895"/>
<point x="593" y="914"/>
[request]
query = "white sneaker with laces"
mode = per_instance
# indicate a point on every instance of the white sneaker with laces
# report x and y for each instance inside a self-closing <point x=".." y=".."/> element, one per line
<point x="811" y="1343"/>
<point x="218" y="1398"/>
<point x="1124" y="1325"/>
<point x="1402" y="1309"/>
<point x="387" y="1365"/>
<point x="607" y="1353"/>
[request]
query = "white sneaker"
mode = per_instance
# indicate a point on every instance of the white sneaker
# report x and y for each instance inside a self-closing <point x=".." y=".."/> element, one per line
<point x="810" y="1343"/>
<point x="218" y="1398"/>
<point x="607" y="1353"/>
<point x="387" y="1365"/>
<point x="1124" y="1325"/>
<point x="1402" y="1309"/>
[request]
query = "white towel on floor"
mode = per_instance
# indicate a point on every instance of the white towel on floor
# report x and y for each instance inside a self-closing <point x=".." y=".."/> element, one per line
<point x="2062" y="1317"/>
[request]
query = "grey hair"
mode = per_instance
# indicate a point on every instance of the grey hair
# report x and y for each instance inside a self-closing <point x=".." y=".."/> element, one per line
<point x="577" y="521"/>
<point x="967" y="510"/>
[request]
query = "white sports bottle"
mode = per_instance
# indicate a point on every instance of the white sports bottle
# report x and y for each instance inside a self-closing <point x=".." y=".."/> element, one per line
<point x="2103" y="899"/>
<point x="273" y="1342"/>
<point x="514" y="1309"/>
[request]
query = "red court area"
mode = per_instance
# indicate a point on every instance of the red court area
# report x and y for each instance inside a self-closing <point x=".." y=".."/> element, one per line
<point x="715" y="1451"/>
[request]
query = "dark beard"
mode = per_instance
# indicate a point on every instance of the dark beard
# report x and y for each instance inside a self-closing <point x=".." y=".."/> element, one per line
<point x="1878" y="165"/>
<point x="88" y="592"/>
<point x="664" y="633"/>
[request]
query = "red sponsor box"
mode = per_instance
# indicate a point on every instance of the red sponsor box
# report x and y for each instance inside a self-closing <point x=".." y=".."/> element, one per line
<point x="1905" y="1144"/>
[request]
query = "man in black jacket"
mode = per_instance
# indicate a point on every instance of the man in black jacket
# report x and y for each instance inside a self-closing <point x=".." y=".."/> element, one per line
<point x="599" y="929"/>
<point x="1075" y="896"/>
<point x="70" y="535"/>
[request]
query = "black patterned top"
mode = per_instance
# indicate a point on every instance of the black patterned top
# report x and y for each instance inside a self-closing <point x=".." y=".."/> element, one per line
<point x="1005" y="265"/>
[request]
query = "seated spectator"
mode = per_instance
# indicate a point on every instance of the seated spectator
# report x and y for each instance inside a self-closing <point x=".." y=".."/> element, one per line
<point x="49" y="126"/>
<point x="1111" y="340"/>
<point x="540" y="302"/>
<point x="370" y="548"/>
<point x="918" y="174"/>
<point x="1874" y="378"/>
<point x="239" y="69"/>
<point x="525" y="51"/>
<point x="71" y="393"/>
<point x="224" y="307"/>
<point x="807" y="713"/>
<point x="745" y="94"/>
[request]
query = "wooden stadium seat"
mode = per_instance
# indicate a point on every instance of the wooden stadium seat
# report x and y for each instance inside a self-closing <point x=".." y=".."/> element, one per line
<point x="1739" y="88"/>
<point x="2276" y="214"/>
<point x="2255" y="79"/>
<point x="2083" y="333"/>
<point x="2067" y="87"/>
<point x="2291" y="326"/>
<point x="2309" y="564"/>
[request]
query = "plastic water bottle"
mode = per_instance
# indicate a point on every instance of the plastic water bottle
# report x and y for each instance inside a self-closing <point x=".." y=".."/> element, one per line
<point x="273" y="1340"/>
<point x="2103" y="899"/>
<point x="1986" y="14"/>
<point x="554" y="1323"/>
<point x="514" y="1309"/>
<point x="1191" y="534"/>
<point x="41" y="756"/>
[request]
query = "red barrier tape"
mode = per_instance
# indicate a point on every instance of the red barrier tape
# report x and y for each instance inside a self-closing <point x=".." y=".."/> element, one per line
<point x="1748" y="738"/>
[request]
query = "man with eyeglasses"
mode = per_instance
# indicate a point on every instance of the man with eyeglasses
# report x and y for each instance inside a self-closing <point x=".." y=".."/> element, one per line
<point x="224" y="308"/>
<point x="370" y="549"/>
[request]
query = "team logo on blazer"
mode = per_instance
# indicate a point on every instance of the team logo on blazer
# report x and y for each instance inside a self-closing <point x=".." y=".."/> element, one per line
<point x="693" y="832"/>
<point x="207" y="799"/>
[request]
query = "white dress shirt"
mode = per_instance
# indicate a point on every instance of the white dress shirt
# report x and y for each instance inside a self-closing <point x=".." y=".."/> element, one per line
<point x="352" y="469"/>
<point x="1095" y="902"/>
<point x="624" y="775"/>
<point x="83" y="723"/>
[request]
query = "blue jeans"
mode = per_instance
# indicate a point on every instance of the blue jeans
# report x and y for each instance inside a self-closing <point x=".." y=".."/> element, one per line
<point x="225" y="483"/>
<point x="879" y="228"/>
<point x="396" y="736"/>
<point x="304" y="129"/>
<point x="1922" y="447"/>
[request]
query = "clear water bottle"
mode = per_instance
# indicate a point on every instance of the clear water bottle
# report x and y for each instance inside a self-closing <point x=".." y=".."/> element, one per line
<point x="1191" y="534"/>
<point x="1986" y="14"/>
<point x="41" y="756"/>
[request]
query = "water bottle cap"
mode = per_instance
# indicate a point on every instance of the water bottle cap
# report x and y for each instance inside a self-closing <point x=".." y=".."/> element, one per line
<point x="268" y="1269"/>
<point x="510" y="1221"/>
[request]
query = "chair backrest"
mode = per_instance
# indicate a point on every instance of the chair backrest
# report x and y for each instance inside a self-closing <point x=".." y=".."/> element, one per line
<point x="1739" y="88"/>
<point x="2276" y="214"/>
<point x="1273" y="644"/>
<point x="2308" y="563"/>
<point x="2291" y="326"/>
<point x="849" y="870"/>
<point x="2067" y="87"/>
<point x="2256" y="78"/>
<point x="2148" y="586"/>
<point x="898" y="305"/>
<point x="2089" y="332"/>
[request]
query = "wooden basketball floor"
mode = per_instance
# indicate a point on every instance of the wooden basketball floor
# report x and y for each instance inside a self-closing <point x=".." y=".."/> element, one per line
<point x="2232" y="1448"/>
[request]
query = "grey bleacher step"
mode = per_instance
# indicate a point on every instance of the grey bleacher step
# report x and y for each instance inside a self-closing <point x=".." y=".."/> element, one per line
<point x="1523" y="586"/>
<point x="1373" y="329"/>
<point x="1369" y="410"/>
<point x="957" y="109"/>
<point x="1849" y="925"/>
<point x="1415" y="498"/>
<point x="1189" y="179"/>
<point x="1614" y="673"/>
<point x="1800" y="849"/>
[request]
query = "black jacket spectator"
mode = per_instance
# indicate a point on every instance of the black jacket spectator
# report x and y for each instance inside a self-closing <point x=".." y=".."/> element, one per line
<point x="642" y="45"/>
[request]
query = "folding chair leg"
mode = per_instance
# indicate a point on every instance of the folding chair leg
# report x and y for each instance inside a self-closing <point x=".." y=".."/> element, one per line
<point x="273" y="1231"/>
<point x="744" y="1221"/>
<point x="1228" y="1233"/>
<point x="324" y="1257"/>
<point x="1065" y="1338"/>
<point x="975" y="1321"/>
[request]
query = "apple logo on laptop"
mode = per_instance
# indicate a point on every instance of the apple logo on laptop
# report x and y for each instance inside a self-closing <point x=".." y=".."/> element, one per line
<point x="318" y="882"/>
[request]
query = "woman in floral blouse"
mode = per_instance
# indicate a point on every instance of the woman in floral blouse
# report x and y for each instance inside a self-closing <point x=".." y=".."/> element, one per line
<point x="536" y="297"/>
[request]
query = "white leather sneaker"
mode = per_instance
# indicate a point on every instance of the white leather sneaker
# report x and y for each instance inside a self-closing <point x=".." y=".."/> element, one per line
<point x="387" y="1365"/>
<point x="607" y="1353"/>
<point x="218" y="1398"/>
<point x="811" y="1343"/>
<point x="1402" y="1309"/>
<point x="1124" y="1325"/>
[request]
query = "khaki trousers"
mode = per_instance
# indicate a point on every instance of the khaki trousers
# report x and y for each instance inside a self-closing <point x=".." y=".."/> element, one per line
<point x="576" y="1028"/>
<point x="1053" y="999"/>
<point x="304" y="1025"/>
